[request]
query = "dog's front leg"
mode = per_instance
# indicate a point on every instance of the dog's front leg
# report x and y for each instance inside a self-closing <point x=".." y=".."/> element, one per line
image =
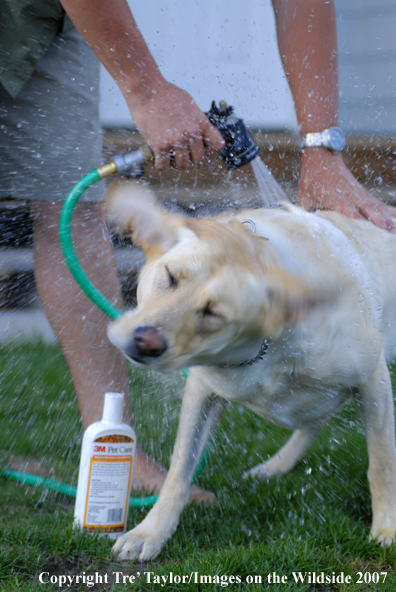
<point x="375" y="402"/>
<point x="200" y="413"/>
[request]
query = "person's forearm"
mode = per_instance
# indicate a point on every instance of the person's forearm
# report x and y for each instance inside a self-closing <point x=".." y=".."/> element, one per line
<point x="165" y="115"/>
<point x="307" y="40"/>
<point x="110" y="30"/>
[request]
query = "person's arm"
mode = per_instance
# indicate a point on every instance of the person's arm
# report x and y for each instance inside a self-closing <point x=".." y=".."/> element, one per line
<point x="307" y="40"/>
<point x="165" y="115"/>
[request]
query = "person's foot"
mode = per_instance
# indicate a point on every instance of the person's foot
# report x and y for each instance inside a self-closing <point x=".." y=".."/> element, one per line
<point x="148" y="474"/>
<point x="201" y="496"/>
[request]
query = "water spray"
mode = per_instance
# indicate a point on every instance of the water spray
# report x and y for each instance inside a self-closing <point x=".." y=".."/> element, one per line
<point x="240" y="149"/>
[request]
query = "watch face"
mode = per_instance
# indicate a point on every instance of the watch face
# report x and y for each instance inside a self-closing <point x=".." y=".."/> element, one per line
<point x="337" y="139"/>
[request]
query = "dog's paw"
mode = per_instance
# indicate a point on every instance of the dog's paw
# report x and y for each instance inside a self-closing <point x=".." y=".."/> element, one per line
<point x="146" y="540"/>
<point x="137" y="544"/>
<point x="383" y="536"/>
<point x="270" y="468"/>
<point x="258" y="472"/>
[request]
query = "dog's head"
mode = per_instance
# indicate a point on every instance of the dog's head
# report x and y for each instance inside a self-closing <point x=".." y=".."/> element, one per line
<point x="209" y="292"/>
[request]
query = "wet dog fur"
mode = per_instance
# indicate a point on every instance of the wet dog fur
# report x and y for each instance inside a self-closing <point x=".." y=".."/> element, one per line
<point x="318" y="288"/>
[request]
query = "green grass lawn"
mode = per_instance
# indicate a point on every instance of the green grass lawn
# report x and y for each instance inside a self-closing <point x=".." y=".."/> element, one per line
<point x="315" y="519"/>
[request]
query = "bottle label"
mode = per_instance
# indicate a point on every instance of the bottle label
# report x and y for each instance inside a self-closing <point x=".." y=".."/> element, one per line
<point x="109" y="482"/>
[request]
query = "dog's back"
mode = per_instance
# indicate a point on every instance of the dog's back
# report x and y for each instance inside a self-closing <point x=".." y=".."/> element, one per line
<point x="355" y="251"/>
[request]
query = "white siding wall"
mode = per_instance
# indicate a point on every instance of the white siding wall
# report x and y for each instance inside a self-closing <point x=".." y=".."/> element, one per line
<point x="218" y="49"/>
<point x="367" y="65"/>
<point x="215" y="50"/>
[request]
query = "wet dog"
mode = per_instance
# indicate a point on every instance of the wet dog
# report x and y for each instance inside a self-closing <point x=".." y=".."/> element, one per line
<point x="286" y="312"/>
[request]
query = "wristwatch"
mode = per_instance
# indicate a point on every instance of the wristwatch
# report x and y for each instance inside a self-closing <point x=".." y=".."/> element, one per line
<point x="332" y="138"/>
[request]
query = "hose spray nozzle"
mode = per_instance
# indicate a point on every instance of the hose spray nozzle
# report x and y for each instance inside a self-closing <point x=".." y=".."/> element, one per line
<point x="131" y="164"/>
<point x="240" y="147"/>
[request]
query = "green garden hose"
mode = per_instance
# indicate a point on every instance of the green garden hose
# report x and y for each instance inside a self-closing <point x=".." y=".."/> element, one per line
<point x="68" y="250"/>
<point x="71" y="490"/>
<point x="130" y="163"/>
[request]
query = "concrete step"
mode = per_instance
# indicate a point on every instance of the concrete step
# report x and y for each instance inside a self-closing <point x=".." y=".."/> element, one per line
<point x="18" y="289"/>
<point x="21" y="260"/>
<point x="25" y="326"/>
<point x="17" y="285"/>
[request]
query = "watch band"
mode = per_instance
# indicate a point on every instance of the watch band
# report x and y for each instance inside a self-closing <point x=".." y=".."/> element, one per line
<point x="332" y="138"/>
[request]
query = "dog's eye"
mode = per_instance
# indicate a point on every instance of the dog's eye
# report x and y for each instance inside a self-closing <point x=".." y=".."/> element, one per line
<point x="209" y="319"/>
<point x="208" y="311"/>
<point x="172" y="279"/>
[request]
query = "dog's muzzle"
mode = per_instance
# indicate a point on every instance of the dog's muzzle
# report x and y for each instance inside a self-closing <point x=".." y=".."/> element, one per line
<point x="147" y="342"/>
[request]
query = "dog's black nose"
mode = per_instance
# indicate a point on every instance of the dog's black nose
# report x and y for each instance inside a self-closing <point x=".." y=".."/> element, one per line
<point x="147" y="342"/>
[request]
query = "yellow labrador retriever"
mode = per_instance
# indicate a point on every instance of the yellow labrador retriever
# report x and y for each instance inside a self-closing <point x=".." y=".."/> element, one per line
<point x="286" y="312"/>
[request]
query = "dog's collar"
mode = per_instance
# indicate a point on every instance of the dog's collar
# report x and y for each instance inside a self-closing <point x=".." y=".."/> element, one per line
<point x="260" y="356"/>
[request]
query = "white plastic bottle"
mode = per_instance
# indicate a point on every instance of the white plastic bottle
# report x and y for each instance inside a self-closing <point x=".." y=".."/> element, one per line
<point x="105" y="475"/>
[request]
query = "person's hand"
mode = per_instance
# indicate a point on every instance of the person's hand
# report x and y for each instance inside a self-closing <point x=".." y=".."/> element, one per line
<point x="174" y="126"/>
<point x="327" y="184"/>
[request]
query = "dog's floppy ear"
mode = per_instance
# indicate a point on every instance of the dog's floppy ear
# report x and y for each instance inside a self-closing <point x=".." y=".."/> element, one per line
<point x="133" y="210"/>
<point x="289" y="301"/>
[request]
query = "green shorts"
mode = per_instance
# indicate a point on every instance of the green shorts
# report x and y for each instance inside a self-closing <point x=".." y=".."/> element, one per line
<point x="50" y="134"/>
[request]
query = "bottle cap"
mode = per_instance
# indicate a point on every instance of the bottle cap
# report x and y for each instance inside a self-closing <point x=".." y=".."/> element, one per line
<point x="113" y="407"/>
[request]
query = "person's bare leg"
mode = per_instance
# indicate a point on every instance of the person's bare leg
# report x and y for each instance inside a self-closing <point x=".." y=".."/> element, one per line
<point x="95" y="365"/>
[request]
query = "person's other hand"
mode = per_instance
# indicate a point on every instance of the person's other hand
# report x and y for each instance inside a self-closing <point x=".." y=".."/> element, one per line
<point x="327" y="184"/>
<point x="175" y="127"/>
